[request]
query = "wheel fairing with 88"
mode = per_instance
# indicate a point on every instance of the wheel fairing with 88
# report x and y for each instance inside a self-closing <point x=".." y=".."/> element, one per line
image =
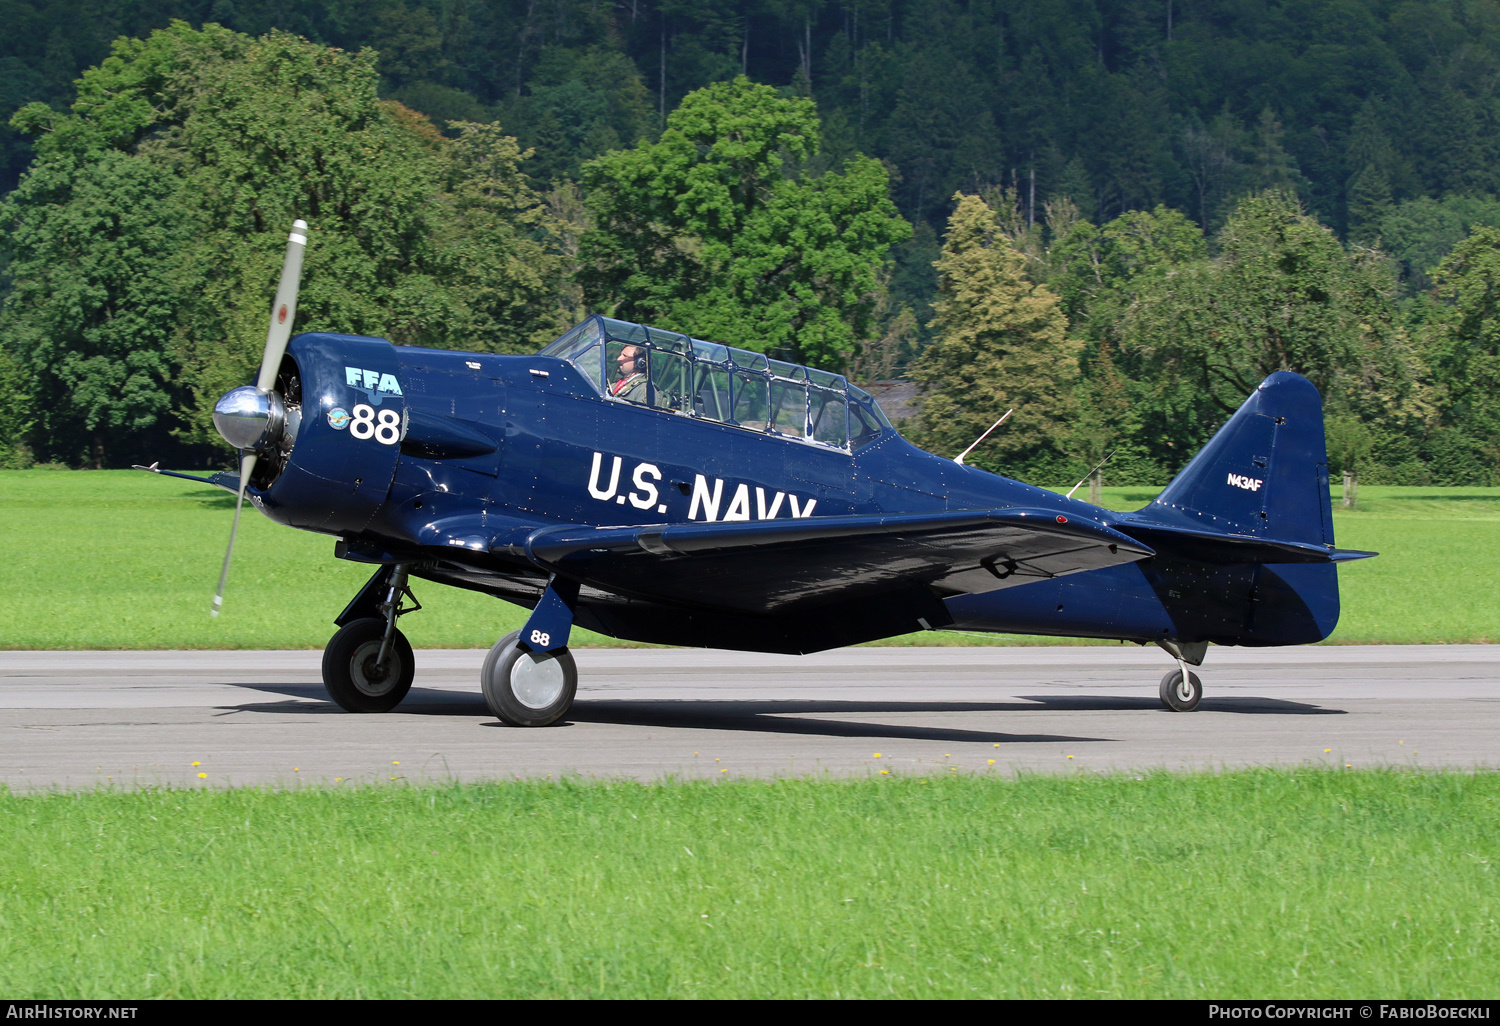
<point x="527" y="690"/>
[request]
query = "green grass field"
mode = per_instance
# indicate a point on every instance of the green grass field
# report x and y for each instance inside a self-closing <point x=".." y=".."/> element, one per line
<point x="1288" y="883"/>
<point x="1293" y="884"/>
<point x="122" y="559"/>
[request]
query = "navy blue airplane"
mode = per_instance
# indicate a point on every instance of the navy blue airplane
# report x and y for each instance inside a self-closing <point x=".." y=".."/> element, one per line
<point x="657" y="488"/>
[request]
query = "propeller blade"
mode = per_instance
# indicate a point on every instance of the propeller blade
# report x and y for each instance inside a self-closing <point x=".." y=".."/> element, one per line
<point x="284" y="310"/>
<point x="247" y="464"/>
<point x="283" y="313"/>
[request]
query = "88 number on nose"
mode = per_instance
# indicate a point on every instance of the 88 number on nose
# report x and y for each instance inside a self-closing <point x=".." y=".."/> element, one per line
<point x="386" y="429"/>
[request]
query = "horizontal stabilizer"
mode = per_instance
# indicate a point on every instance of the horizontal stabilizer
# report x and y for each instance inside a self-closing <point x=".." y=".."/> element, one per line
<point x="228" y="482"/>
<point x="1214" y="547"/>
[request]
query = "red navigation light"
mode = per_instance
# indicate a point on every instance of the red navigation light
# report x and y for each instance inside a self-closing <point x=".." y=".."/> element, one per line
<point x="1062" y="519"/>
<point x="281" y="314"/>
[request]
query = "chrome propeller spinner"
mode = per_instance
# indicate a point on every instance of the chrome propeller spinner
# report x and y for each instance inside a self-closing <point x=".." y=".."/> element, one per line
<point x="250" y="419"/>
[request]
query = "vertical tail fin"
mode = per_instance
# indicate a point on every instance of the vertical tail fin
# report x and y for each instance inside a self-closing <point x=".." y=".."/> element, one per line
<point x="1265" y="473"/>
<point x="1244" y="535"/>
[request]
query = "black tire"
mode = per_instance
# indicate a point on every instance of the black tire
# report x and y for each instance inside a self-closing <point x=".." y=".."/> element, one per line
<point x="524" y="690"/>
<point x="1178" y="698"/>
<point x="349" y="671"/>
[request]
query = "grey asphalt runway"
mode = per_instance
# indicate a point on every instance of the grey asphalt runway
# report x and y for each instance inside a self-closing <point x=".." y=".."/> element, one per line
<point x="84" y="719"/>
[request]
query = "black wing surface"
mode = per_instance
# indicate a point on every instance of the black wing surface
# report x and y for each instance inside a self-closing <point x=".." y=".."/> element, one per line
<point x="782" y="565"/>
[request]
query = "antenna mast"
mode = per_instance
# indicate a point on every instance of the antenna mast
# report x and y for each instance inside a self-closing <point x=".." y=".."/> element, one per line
<point x="960" y="458"/>
<point x="1092" y="471"/>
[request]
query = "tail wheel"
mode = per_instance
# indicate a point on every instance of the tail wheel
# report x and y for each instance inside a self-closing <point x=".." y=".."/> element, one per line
<point x="528" y="690"/>
<point x="351" y="670"/>
<point x="1181" y="694"/>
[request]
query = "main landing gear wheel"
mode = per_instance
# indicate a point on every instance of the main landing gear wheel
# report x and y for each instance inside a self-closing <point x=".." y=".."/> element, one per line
<point x="527" y="690"/>
<point x="350" y="672"/>
<point x="1181" y="695"/>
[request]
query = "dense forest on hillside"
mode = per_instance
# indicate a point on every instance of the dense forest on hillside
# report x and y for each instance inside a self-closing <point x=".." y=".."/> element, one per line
<point x="1189" y="191"/>
<point x="1120" y="104"/>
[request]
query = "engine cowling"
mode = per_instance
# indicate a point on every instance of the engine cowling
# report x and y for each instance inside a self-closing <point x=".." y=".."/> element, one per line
<point x="338" y="467"/>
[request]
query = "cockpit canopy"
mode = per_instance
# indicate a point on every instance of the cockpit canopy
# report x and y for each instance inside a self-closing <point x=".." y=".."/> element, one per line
<point x="708" y="381"/>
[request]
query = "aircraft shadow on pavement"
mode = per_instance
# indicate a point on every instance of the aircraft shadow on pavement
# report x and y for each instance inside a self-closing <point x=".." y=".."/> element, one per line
<point x="785" y="717"/>
<point x="762" y="717"/>
<point x="420" y="701"/>
<point x="792" y="718"/>
<point x="1105" y="703"/>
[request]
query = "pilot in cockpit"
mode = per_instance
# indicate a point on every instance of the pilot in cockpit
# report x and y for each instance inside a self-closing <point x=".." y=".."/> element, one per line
<point x="632" y="382"/>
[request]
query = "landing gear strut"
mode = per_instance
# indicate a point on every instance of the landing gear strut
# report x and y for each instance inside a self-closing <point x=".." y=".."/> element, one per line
<point x="368" y="665"/>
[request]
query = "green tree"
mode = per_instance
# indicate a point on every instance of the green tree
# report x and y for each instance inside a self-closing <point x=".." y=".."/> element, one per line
<point x="16" y="408"/>
<point x="1282" y="294"/>
<point x="580" y="104"/>
<point x="1421" y="232"/>
<point x="1273" y="166"/>
<point x="1349" y="441"/>
<point x="1462" y="344"/>
<point x="1102" y="272"/>
<point x="1001" y="343"/>
<point x="1103" y="421"/>
<point x="712" y="231"/>
<point x="1104" y="276"/>
<point x="88" y="323"/>
<point x="1378" y="172"/>
<point x="146" y="239"/>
